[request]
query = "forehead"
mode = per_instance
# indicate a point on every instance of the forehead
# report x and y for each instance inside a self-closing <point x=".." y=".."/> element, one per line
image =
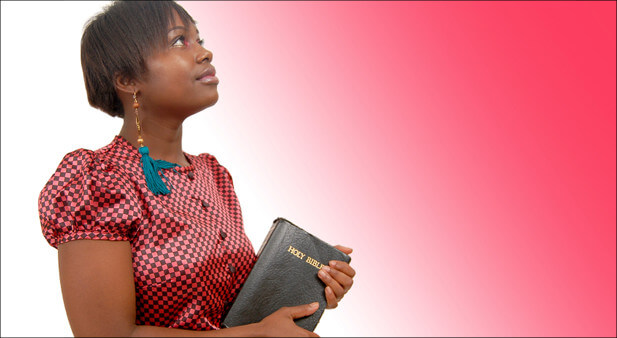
<point x="176" y="24"/>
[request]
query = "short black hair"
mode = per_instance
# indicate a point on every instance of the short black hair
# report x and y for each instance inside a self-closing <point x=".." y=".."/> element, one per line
<point x="118" y="40"/>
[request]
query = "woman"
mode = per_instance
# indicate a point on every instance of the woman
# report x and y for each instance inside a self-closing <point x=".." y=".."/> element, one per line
<point x="150" y="239"/>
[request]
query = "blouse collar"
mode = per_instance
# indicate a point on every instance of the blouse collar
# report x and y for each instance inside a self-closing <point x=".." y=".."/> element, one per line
<point x="127" y="148"/>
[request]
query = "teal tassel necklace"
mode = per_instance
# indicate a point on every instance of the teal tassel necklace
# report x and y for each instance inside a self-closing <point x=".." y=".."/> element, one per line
<point x="150" y="166"/>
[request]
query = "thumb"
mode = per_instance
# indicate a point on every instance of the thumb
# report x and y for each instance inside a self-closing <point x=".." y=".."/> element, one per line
<point x="303" y="310"/>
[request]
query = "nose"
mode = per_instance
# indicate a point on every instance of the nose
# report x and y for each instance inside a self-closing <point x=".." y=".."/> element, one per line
<point x="204" y="55"/>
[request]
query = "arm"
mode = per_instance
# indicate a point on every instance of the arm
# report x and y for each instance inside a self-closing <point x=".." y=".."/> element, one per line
<point x="99" y="297"/>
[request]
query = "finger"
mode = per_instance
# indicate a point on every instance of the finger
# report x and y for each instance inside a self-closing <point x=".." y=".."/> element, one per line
<point x="330" y="298"/>
<point x="326" y="277"/>
<point x="344" y="249"/>
<point x="342" y="279"/>
<point x="300" y="311"/>
<point x="344" y="267"/>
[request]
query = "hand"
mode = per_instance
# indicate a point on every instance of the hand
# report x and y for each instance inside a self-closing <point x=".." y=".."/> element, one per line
<point x="338" y="276"/>
<point x="281" y="323"/>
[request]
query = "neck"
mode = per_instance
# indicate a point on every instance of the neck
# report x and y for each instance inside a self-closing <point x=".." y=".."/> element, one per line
<point x="163" y="138"/>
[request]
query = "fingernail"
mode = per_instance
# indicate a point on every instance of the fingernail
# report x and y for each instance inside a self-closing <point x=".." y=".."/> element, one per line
<point x="322" y="273"/>
<point x="327" y="268"/>
<point x="314" y="305"/>
<point x="333" y="264"/>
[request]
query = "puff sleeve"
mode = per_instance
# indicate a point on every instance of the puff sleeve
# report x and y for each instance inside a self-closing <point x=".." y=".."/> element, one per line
<point x="85" y="199"/>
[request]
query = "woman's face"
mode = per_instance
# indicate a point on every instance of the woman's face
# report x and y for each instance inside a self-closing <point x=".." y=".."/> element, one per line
<point x="175" y="84"/>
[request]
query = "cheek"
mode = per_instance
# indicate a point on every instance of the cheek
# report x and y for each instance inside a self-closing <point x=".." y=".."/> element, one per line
<point x="169" y="78"/>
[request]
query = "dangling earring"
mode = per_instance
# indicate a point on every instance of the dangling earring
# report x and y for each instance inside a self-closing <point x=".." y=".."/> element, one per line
<point x="150" y="166"/>
<point x="140" y="140"/>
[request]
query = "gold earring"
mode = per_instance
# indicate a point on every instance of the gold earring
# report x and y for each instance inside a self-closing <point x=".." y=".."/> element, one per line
<point x="140" y="140"/>
<point x="151" y="167"/>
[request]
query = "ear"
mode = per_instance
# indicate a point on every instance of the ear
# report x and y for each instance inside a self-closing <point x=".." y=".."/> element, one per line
<point x="124" y="84"/>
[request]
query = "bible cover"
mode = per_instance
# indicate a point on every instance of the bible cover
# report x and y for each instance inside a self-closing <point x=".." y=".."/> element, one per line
<point x="285" y="274"/>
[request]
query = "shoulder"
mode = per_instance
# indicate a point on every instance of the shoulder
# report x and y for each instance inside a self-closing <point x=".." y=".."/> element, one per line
<point x="88" y="197"/>
<point x="72" y="167"/>
<point x="210" y="161"/>
<point x="87" y="176"/>
<point x="83" y="165"/>
<point x="80" y="160"/>
<point x="206" y="159"/>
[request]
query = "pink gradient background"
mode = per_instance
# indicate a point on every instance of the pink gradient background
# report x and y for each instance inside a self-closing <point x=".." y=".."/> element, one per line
<point x="465" y="150"/>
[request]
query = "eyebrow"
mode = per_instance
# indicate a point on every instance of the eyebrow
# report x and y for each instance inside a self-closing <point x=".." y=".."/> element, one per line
<point x="176" y="27"/>
<point x="181" y="27"/>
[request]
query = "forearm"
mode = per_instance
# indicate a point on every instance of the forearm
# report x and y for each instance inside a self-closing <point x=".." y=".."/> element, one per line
<point x="250" y="330"/>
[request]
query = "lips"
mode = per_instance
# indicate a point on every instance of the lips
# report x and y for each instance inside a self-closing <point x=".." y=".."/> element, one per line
<point x="208" y="76"/>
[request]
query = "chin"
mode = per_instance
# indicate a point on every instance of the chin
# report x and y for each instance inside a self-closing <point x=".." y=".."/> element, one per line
<point x="207" y="104"/>
<point x="214" y="99"/>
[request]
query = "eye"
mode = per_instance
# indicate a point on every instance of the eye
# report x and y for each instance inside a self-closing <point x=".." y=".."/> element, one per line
<point x="179" y="42"/>
<point x="200" y="42"/>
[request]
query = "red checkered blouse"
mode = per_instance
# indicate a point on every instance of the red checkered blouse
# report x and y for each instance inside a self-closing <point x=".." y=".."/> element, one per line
<point x="190" y="252"/>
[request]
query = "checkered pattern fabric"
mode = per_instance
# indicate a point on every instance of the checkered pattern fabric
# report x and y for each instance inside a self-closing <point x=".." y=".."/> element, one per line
<point x="190" y="252"/>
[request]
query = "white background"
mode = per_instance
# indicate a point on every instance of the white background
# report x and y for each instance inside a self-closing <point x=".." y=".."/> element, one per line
<point x="45" y="114"/>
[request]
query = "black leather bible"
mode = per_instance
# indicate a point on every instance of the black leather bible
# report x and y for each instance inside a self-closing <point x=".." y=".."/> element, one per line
<point x="285" y="274"/>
